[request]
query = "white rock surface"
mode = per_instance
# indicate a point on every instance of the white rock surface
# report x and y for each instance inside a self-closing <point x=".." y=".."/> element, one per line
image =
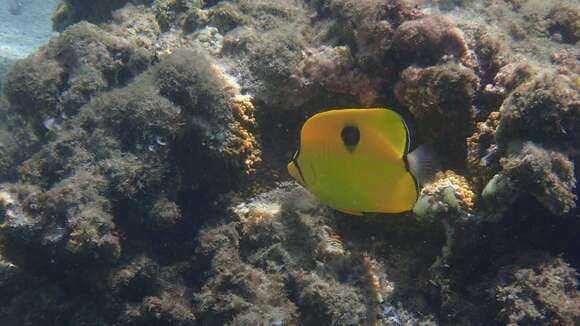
<point x="24" y="26"/>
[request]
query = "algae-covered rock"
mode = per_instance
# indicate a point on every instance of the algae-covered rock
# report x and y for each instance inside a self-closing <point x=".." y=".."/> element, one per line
<point x="328" y="301"/>
<point x="538" y="289"/>
<point x="491" y="52"/>
<point x="370" y="36"/>
<point x="548" y="176"/>
<point x="221" y="119"/>
<point x="284" y="239"/>
<point x="539" y="113"/>
<point x="438" y="97"/>
<point x="98" y="177"/>
<point x="544" y="110"/>
<point x="73" y="219"/>
<point x="563" y="19"/>
<point x="33" y="87"/>
<point x="508" y="78"/>
<point x="427" y="40"/>
<point x="54" y="83"/>
<point x="70" y="12"/>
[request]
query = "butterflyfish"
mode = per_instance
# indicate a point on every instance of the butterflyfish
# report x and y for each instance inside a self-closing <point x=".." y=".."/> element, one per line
<point x="357" y="161"/>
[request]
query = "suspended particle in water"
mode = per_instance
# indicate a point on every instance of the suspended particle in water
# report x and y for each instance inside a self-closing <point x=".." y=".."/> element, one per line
<point x="50" y="124"/>
<point x="161" y="141"/>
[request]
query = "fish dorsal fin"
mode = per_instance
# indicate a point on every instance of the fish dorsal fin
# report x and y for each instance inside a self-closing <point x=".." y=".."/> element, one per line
<point x="391" y="127"/>
<point x="387" y="122"/>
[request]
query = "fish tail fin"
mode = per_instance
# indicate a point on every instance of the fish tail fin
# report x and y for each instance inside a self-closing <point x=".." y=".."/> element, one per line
<point x="423" y="163"/>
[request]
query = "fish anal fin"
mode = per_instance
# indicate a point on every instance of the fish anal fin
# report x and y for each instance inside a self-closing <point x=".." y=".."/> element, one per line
<point x="346" y="211"/>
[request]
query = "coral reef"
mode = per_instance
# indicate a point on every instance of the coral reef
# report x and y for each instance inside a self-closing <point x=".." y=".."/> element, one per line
<point x="425" y="41"/>
<point x="448" y="192"/>
<point x="80" y="63"/>
<point x="437" y="97"/>
<point x="144" y="151"/>
<point x="539" y="111"/>
<point x="546" y="175"/>
<point x="538" y="289"/>
<point x="281" y="261"/>
<point x="80" y="196"/>
<point x="563" y="19"/>
<point x="72" y="11"/>
<point x="547" y="106"/>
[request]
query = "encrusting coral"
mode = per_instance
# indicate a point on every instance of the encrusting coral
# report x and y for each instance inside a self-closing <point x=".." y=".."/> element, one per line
<point x="448" y="192"/>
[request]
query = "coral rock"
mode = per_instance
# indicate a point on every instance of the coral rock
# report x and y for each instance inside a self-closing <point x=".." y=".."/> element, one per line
<point x="438" y="97"/>
<point x="565" y="19"/>
<point x="547" y="175"/>
<point x="538" y="289"/>
<point x="482" y="151"/>
<point x="325" y="302"/>
<point x="543" y="110"/>
<point x="425" y="41"/>
<point x="73" y="11"/>
<point x="448" y="192"/>
<point x="74" y="67"/>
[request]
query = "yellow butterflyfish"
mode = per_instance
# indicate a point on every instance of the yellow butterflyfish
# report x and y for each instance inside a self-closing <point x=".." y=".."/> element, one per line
<point x="357" y="161"/>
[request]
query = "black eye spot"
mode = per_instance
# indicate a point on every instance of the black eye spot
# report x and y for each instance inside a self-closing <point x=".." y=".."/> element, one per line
<point x="350" y="136"/>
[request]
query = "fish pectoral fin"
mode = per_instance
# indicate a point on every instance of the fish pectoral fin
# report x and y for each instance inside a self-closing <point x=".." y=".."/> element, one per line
<point x="346" y="211"/>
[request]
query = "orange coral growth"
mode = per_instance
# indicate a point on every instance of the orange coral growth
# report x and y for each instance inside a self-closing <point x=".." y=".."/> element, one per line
<point x="243" y="110"/>
<point x="461" y="189"/>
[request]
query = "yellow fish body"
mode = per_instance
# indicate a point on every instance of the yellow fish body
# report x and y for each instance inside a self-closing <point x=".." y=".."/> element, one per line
<point x="355" y="161"/>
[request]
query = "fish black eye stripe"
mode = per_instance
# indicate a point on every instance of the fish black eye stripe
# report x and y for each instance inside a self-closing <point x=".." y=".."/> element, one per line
<point x="407" y="150"/>
<point x="408" y="137"/>
<point x="295" y="161"/>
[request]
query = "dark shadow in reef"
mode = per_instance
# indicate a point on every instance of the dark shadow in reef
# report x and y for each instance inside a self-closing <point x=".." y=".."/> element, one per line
<point x="534" y="226"/>
<point x="407" y="248"/>
<point x="197" y="204"/>
<point x="479" y="253"/>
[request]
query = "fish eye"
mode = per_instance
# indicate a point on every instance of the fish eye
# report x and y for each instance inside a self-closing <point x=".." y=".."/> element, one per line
<point x="350" y="136"/>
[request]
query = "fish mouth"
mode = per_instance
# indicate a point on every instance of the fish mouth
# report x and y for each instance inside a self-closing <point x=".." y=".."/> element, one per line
<point x="295" y="172"/>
